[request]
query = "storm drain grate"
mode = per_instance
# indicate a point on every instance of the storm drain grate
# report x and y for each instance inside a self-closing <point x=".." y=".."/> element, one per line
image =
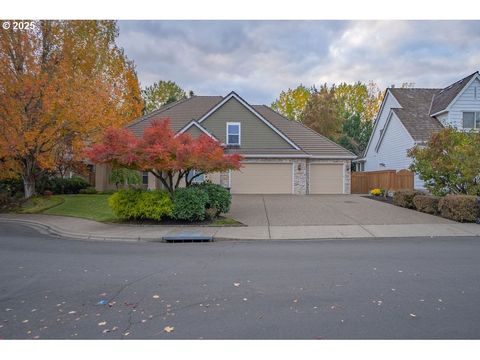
<point x="187" y="238"/>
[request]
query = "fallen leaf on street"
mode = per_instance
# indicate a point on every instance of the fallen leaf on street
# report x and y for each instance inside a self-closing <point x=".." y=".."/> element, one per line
<point x="168" y="329"/>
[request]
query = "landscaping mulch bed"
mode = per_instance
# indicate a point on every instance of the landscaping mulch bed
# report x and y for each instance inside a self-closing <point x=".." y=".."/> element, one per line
<point x="220" y="221"/>
<point x="387" y="200"/>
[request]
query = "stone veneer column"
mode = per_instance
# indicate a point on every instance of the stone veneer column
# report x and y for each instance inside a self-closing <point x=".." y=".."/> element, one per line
<point x="300" y="177"/>
<point x="224" y="179"/>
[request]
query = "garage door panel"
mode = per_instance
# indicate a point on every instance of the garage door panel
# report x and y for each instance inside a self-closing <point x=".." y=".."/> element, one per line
<point x="326" y="179"/>
<point x="262" y="179"/>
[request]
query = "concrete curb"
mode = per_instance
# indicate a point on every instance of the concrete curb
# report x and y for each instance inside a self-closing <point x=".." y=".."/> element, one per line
<point x="370" y="233"/>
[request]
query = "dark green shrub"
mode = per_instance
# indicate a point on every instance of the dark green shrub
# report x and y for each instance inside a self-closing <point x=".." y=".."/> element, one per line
<point x="11" y="186"/>
<point x="189" y="203"/>
<point x="88" y="190"/>
<point x="463" y="208"/>
<point x="404" y="198"/>
<point x="426" y="203"/>
<point x="140" y="204"/>
<point x="73" y="185"/>
<point x="219" y="198"/>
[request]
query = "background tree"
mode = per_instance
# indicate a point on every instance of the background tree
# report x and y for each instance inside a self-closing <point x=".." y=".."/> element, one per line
<point x="123" y="176"/>
<point x="449" y="163"/>
<point x="322" y="113"/>
<point x="161" y="93"/>
<point x="291" y="102"/>
<point x="355" y="134"/>
<point x="60" y="80"/>
<point x="170" y="157"/>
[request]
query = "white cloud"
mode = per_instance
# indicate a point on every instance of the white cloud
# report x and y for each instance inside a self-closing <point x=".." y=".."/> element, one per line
<point x="260" y="58"/>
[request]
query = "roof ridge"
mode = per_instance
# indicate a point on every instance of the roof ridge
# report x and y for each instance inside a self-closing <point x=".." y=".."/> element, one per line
<point x="458" y="81"/>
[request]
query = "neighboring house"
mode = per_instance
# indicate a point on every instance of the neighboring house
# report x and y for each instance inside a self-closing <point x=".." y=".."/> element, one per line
<point x="408" y="117"/>
<point x="280" y="156"/>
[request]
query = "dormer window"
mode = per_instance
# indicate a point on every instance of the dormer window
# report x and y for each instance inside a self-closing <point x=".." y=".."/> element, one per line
<point x="233" y="133"/>
<point x="471" y="120"/>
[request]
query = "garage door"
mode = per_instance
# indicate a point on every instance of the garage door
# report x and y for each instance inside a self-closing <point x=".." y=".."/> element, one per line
<point x="262" y="179"/>
<point x="326" y="179"/>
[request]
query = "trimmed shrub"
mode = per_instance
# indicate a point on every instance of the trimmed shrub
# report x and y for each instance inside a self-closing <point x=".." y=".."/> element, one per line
<point x="404" y="198"/>
<point x="219" y="198"/>
<point x="463" y="208"/>
<point x="88" y="190"/>
<point x="189" y="203"/>
<point x="376" y="192"/>
<point x="11" y="186"/>
<point x="427" y="204"/>
<point x="140" y="204"/>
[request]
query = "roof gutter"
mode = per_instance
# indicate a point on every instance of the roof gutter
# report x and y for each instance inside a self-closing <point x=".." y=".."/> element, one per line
<point x="306" y="156"/>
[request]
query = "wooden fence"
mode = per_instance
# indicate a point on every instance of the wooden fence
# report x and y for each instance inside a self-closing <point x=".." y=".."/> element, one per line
<point x="363" y="182"/>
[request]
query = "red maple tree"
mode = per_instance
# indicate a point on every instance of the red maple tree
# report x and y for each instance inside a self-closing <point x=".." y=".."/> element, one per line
<point x="168" y="156"/>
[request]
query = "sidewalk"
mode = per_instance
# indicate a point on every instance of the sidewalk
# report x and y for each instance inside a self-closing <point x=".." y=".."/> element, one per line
<point x="76" y="228"/>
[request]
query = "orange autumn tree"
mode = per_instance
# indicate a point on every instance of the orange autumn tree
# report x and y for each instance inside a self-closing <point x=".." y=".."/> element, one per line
<point x="61" y="84"/>
<point x="168" y="156"/>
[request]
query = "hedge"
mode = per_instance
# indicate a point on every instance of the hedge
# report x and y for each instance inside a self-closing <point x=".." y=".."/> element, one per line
<point x="463" y="208"/>
<point x="189" y="203"/>
<point x="140" y="204"/>
<point x="427" y="204"/>
<point x="219" y="198"/>
<point x="404" y="198"/>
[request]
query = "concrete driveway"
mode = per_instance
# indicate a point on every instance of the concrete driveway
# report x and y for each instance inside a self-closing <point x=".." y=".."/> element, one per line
<point x="298" y="210"/>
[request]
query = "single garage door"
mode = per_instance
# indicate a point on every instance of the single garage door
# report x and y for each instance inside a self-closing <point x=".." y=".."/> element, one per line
<point x="326" y="179"/>
<point x="262" y="179"/>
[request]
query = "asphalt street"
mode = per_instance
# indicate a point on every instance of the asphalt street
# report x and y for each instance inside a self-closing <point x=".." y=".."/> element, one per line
<point x="416" y="288"/>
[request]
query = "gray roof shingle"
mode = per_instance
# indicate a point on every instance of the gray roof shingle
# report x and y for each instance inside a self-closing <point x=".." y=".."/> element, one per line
<point x="414" y="111"/>
<point x="182" y="112"/>
<point x="445" y="96"/>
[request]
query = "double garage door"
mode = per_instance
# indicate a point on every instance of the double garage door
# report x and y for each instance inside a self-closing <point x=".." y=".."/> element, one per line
<point x="269" y="178"/>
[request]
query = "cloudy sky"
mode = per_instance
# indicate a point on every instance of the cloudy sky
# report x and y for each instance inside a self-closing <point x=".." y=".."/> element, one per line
<point x="258" y="59"/>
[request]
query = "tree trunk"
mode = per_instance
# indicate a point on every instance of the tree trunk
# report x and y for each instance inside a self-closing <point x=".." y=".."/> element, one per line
<point x="28" y="178"/>
<point x="28" y="185"/>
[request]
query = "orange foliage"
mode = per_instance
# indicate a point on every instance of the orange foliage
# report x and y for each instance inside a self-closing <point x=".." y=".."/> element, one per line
<point x="60" y="84"/>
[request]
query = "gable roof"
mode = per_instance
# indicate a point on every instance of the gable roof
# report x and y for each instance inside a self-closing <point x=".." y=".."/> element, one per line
<point x="192" y="111"/>
<point x="197" y="125"/>
<point x="445" y="96"/>
<point x="414" y="112"/>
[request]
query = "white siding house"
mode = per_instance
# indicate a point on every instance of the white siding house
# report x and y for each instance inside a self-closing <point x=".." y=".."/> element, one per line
<point x="408" y="117"/>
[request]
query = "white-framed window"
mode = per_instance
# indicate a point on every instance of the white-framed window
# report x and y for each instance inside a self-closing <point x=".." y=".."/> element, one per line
<point x="199" y="179"/>
<point x="233" y="133"/>
<point x="471" y="120"/>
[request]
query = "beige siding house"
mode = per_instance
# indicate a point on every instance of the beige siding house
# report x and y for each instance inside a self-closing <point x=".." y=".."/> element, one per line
<point x="280" y="156"/>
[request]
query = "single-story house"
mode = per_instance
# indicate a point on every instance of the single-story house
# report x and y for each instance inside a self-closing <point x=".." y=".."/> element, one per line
<point x="409" y="116"/>
<point x="280" y="156"/>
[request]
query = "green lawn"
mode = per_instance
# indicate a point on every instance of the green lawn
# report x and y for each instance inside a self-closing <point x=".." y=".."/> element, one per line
<point x="94" y="207"/>
<point x="39" y="204"/>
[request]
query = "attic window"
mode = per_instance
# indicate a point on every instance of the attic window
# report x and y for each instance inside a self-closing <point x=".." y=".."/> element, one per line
<point x="233" y="133"/>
